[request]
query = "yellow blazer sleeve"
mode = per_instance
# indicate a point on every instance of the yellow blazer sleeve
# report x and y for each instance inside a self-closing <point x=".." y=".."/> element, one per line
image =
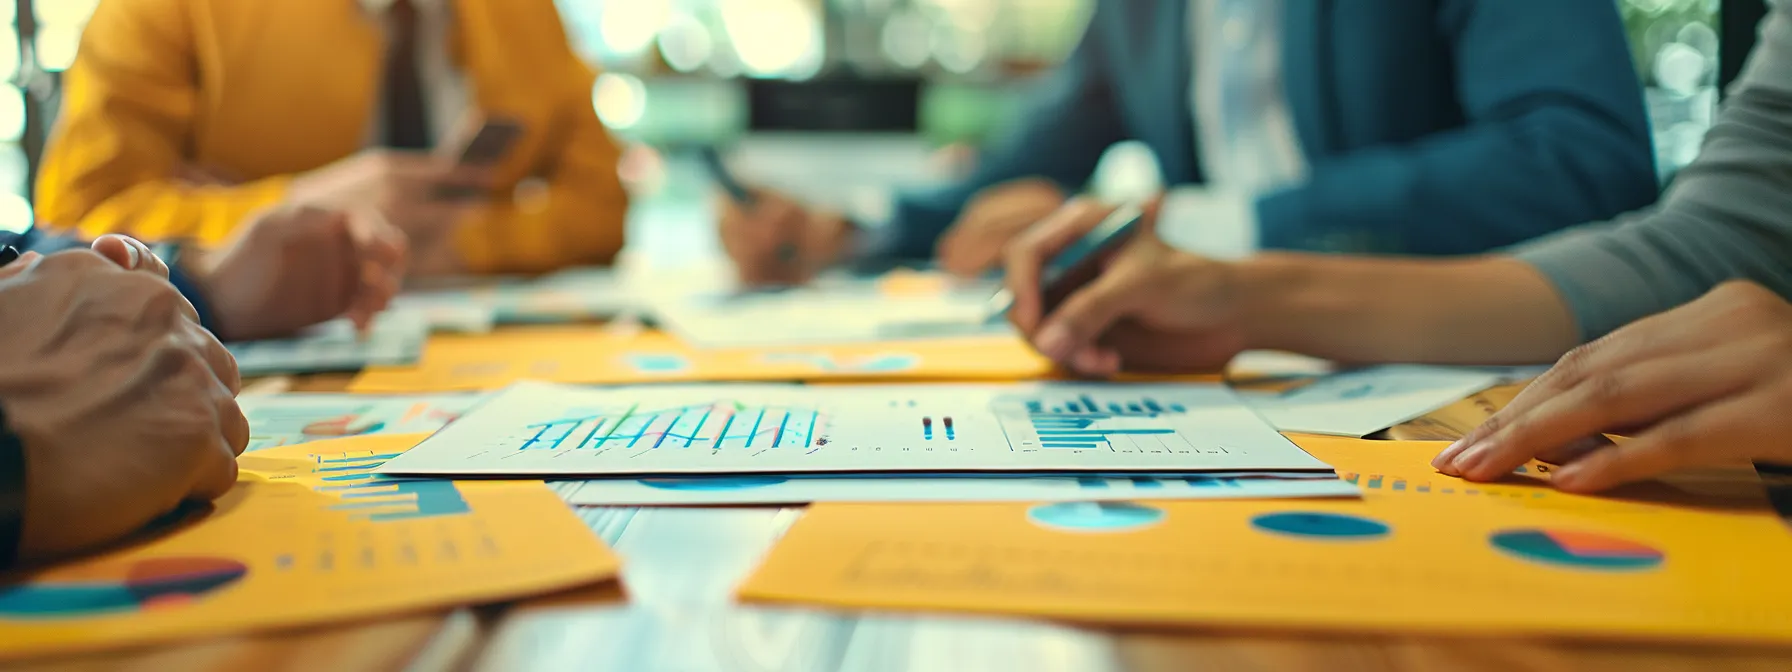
<point x="125" y="128"/>
<point x="576" y="218"/>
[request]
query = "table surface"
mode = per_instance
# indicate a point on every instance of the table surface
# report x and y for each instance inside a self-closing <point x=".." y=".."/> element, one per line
<point x="596" y="629"/>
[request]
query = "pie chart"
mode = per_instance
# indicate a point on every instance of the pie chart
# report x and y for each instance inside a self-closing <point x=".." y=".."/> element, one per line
<point x="1095" y="516"/>
<point x="1577" y="550"/>
<point x="83" y="591"/>
<point x="1321" y="525"/>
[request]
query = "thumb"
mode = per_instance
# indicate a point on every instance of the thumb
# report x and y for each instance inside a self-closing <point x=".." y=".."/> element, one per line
<point x="129" y="254"/>
<point x="1086" y="314"/>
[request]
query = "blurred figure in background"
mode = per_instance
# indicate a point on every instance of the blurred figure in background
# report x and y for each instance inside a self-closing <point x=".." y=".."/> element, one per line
<point x="1682" y="309"/>
<point x="182" y="117"/>
<point x="1413" y="128"/>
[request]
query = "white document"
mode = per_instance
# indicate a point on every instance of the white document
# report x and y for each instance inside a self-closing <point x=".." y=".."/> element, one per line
<point x="770" y="489"/>
<point x="396" y="338"/>
<point x="286" y="419"/>
<point x="539" y="429"/>
<point x="826" y="315"/>
<point x="568" y="296"/>
<point x="1365" y="401"/>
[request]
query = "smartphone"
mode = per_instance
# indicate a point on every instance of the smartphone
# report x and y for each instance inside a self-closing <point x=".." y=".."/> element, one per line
<point x="1080" y="258"/>
<point x="486" y="148"/>
<point x="718" y="171"/>
<point x="491" y="143"/>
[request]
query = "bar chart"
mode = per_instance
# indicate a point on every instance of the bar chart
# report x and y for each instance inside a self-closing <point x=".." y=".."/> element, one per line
<point x="713" y="426"/>
<point x="1083" y="422"/>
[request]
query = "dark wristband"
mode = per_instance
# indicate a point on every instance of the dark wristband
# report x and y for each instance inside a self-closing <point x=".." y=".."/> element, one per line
<point x="12" y="493"/>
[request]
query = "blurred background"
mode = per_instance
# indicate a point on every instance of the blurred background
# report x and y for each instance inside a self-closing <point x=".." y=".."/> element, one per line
<point x="911" y="86"/>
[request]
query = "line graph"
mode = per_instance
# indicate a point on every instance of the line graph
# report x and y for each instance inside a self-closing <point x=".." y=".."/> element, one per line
<point x="714" y="426"/>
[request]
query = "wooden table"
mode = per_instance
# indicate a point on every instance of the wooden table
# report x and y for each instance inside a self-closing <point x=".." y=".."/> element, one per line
<point x="535" y="633"/>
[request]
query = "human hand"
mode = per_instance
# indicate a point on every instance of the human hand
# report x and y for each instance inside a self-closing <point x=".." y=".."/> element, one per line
<point x="1708" y="383"/>
<point x="1149" y="307"/>
<point x="124" y="405"/>
<point x="293" y="267"/>
<point x="777" y="241"/>
<point x="407" y="189"/>
<point x="995" y="216"/>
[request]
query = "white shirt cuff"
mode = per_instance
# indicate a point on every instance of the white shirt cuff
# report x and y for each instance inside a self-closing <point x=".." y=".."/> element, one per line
<point x="1209" y="223"/>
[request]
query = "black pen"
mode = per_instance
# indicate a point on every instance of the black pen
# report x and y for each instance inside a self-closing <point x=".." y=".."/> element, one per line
<point x="8" y="254"/>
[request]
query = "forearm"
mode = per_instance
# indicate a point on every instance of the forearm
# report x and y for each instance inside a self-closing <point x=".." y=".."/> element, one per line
<point x="1485" y="310"/>
<point x="167" y="211"/>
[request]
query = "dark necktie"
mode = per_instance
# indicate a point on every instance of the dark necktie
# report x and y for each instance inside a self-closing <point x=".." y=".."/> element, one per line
<point x="407" y="125"/>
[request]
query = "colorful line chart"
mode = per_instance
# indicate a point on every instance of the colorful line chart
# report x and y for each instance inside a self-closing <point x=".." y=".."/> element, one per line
<point x="716" y="426"/>
<point x="1032" y="428"/>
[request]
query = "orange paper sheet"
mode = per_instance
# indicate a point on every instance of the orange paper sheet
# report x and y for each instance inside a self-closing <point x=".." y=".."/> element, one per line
<point x="594" y="355"/>
<point x="306" y="537"/>
<point x="1515" y="558"/>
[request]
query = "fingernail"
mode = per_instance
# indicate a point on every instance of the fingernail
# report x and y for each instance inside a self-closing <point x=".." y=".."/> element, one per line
<point x="1470" y="459"/>
<point x="1054" y="342"/>
<point x="136" y="256"/>
<point x="1448" y="454"/>
<point x="1568" y="476"/>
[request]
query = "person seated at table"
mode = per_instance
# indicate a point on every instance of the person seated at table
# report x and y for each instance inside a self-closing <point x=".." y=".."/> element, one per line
<point x="181" y="117"/>
<point x="115" y="404"/>
<point x="1674" y="321"/>
<point x="1413" y="128"/>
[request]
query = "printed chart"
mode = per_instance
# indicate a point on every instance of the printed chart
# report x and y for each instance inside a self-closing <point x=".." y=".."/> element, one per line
<point x="287" y="419"/>
<point x="541" y="429"/>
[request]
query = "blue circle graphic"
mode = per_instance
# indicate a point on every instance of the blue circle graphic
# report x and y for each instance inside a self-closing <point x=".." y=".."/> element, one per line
<point x="658" y="362"/>
<point x="1320" y="525"/>
<point x="1095" y="516"/>
<point x="720" y="483"/>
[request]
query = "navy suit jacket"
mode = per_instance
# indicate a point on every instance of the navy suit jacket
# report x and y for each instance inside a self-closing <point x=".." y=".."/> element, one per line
<point x="1429" y="126"/>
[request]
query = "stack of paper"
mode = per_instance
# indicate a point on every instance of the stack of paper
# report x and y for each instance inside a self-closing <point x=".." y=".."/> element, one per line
<point x="765" y="444"/>
<point x="594" y="355"/>
<point x="309" y="535"/>
<point x="395" y="338"/>
<point x="1420" y="553"/>
<point x="286" y="419"/>
<point x="826" y="316"/>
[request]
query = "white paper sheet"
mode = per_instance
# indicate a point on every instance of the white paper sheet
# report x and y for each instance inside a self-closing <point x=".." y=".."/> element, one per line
<point x="1364" y="401"/>
<point x="396" y="339"/>
<point x="286" y="419"/>
<point x="841" y="313"/>
<point x="541" y="429"/>
<point x="757" y="490"/>
<point x="568" y="296"/>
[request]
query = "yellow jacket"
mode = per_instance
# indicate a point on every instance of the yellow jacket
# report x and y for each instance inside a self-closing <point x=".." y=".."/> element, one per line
<point x="261" y="90"/>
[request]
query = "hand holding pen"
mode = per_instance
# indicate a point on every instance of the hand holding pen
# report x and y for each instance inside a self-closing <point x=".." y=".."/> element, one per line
<point x="773" y="239"/>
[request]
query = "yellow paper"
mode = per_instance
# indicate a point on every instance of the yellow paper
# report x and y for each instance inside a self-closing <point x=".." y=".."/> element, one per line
<point x="1509" y="559"/>
<point x="596" y="355"/>
<point x="306" y="537"/>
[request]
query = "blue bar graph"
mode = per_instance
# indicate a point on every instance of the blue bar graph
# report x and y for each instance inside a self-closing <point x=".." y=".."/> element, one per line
<point x="1080" y="423"/>
<point x="711" y="426"/>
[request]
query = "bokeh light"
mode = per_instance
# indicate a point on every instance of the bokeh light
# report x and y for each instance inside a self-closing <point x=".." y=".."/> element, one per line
<point x="12" y="114"/>
<point x="627" y="27"/>
<point x="15" y="213"/>
<point x="685" y="43"/>
<point x="57" y="45"/>
<point x="620" y="100"/>
<point x="905" y="38"/>
<point x="774" y="37"/>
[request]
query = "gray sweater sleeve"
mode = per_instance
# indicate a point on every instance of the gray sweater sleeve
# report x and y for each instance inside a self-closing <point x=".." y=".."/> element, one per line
<point x="1727" y="216"/>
